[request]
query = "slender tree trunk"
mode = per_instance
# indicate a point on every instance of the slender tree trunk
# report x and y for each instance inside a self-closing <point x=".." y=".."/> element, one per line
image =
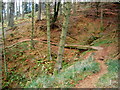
<point x="3" y="38"/>
<point x="48" y="29"/>
<point x="66" y="12"/>
<point x="56" y="11"/>
<point x="39" y="10"/>
<point x="0" y="11"/>
<point x="101" y="17"/>
<point x="23" y="9"/>
<point x="4" y="10"/>
<point x="60" y="9"/>
<point x="8" y="11"/>
<point x="19" y="9"/>
<point x="16" y="11"/>
<point x="11" y="15"/>
<point x="74" y="8"/>
<point x="32" y="32"/>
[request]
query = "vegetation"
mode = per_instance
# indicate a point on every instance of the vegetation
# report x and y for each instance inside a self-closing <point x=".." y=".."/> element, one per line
<point x="110" y="79"/>
<point x="68" y="76"/>
<point x="59" y="44"/>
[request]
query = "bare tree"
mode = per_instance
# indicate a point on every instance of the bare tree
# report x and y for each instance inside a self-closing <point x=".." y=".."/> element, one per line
<point x="101" y="17"/>
<point x="48" y="29"/>
<point x="39" y="10"/>
<point x="23" y="9"/>
<point x="32" y="32"/>
<point x="3" y="38"/>
<point x="11" y="15"/>
<point x="66" y="12"/>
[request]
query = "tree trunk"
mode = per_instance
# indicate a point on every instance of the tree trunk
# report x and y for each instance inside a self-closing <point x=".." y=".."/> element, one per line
<point x="101" y="17"/>
<point x="39" y="11"/>
<point x="32" y="32"/>
<point x="48" y="29"/>
<point x="0" y="11"/>
<point x="19" y="9"/>
<point x="8" y="10"/>
<point x="56" y="11"/>
<point x="23" y="9"/>
<point x="3" y="38"/>
<point x="66" y="12"/>
<point x="11" y="15"/>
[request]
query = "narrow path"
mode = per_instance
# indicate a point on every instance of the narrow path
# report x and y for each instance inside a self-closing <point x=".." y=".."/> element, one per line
<point x="90" y="81"/>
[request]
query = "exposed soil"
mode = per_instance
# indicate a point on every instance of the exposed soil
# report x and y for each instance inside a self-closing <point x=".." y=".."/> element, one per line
<point x="100" y="57"/>
<point x="90" y="81"/>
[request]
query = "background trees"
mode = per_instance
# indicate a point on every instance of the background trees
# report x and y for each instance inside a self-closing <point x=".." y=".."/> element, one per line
<point x="39" y="10"/>
<point x="56" y="10"/>
<point x="11" y="14"/>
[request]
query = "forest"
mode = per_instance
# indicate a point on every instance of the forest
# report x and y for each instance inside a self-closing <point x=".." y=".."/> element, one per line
<point x="59" y="43"/>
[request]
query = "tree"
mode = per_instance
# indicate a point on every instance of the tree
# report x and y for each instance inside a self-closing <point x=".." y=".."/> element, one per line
<point x="39" y="10"/>
<point x="56" y="10"/>
<point x="3" y="38"/>
<point x="66" y="12"/>
<point x="0" y="11"/>
<point x="101" y="17"/>
<point x="23" y="9"/>
<point x="11" y="15"/>
<point x="8" y="10"/>
<point x="48" y="29"/>
<point x="97" y="8"/>
<point x="32" y="32"/>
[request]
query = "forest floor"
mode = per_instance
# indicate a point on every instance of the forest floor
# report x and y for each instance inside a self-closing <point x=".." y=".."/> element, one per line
<point x="90" y="81"/>
<point x="25" y="65"/>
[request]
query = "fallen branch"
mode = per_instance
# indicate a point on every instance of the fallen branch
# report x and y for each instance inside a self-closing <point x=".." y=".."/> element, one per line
<point x="83" y="47"/>
<point x="79" y="47"/>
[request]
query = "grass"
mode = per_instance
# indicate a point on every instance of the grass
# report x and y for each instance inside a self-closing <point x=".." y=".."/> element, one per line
<point x="101" y="42"/>
<point x="110" y="79"/>
<point x="68" y="77"/>
<point x="13" y="77"/>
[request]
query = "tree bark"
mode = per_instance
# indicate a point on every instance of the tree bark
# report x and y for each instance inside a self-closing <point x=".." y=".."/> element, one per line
<point x="32" y="32"/>
<point x="0" y="11"/>
<point x="48" y="29"/>
<point x="56" y="11"/>
<point x="101" y="17"/>
<point x="3" y="38"/>
<point x="66" y="12"/>
<point x="39" y="10"/>
<point x="11" y="15"/>
<point x="23" y="9"/>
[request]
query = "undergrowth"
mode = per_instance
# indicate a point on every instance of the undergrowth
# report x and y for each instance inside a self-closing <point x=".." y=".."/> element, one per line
<point x="110" y="79"/>
<point x="13" y="77"/>
<point x="68" y="77"/>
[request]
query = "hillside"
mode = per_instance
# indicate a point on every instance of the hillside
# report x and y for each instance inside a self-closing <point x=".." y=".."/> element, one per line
<point x="90" y="57"/>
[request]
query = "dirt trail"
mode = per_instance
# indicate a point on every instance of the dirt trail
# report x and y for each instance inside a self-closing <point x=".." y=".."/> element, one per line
<point x="90" y="81"/>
